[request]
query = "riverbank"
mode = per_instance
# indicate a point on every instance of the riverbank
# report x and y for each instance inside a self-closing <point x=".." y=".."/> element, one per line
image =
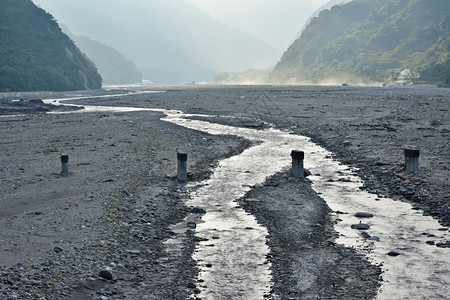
<point x="111" y="213"/>
<point x="116" y="212"/>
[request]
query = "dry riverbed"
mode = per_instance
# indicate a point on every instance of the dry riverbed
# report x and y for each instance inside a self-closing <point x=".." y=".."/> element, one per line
<point x="113" y="211"/>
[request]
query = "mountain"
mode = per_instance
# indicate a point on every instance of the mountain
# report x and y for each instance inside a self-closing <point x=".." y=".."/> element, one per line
<point x="169" y="41"/>
<point x="112" y="65"/>
<point x="327" y="5"/>
<point x="372" y="40"/>
<point x="35" y="55"/>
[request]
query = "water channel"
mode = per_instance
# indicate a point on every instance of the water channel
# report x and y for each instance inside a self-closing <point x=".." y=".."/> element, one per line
<point x="235" y="268"/>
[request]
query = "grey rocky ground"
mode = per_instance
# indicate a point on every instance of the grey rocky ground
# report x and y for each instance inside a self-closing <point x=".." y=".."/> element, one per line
<point x="114" y="210"/>
<point x="307" y="263"/>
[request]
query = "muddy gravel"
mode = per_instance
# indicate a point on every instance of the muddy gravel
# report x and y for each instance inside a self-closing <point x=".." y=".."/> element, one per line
<point x="100" y="233"/>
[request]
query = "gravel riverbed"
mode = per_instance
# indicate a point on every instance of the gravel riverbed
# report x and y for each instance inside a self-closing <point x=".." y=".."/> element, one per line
<point x="113" y="212"/>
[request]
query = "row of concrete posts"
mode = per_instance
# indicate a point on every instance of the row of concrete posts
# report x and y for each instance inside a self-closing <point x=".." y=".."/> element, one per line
<point x="297" y="171"/>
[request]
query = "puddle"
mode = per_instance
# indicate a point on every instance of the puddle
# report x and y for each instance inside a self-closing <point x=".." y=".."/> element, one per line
<point x="235" y="266"/>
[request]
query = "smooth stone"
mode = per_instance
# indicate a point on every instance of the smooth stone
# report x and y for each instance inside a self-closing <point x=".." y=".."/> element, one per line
<point x="58" y="249"/>
<point x="443" y="244"/>
<point x="192" y="224"/>
<point x="191" y="285"/>
<point x="393" y="253"/>
<point x="197" y="210"/>
<point x="360" y="226"/>
<point x="106" y="275"/>
<point x="363" y="215"/>
<point x="374" y="238"/>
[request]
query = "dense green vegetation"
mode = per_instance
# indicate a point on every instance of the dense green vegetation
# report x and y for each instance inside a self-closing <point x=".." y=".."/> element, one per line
<point x="372" y="40"/>
<point x="35" y="55"/>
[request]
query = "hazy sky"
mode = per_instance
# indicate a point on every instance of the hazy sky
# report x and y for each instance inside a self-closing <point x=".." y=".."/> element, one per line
<point x="274" y="21"/>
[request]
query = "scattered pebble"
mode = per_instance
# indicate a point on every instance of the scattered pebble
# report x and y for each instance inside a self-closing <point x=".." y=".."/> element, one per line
<point x="360" y="226"/>
<point x="106" y="275"/>
<point x="363" y="215"/>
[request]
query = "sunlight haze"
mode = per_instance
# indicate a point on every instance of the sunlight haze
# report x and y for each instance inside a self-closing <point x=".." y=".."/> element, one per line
<point x="276" y="22"/>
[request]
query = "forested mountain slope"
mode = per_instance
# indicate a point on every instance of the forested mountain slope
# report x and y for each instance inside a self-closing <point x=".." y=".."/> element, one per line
<point x="35" y="55"/>
<point x="372" y="40"/>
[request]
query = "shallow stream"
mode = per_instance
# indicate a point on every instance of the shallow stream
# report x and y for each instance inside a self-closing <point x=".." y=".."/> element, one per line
<point x="421" y="271"/>
<point x="232" y="257"/>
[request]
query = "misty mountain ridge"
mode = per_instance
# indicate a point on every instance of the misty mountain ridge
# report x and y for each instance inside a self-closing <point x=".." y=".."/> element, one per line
<point x="35" y="55"/>
<point x="169" y="41"/>
<point x="372" y="40"/>
<point x="114" y="67"/>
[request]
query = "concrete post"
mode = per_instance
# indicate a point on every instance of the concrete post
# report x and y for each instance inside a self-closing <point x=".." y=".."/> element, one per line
<point x="411" y="160"/>
<point x="297" y="164"/>
<point x="182" y="167"/>
<point x="65" y="165"/>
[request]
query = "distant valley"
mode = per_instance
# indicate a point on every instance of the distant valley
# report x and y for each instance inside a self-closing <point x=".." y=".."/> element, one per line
<point x="168" y="41"/>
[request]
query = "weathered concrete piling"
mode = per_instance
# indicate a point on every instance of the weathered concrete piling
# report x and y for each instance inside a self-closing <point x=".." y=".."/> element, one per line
<point x="182" y="167"/>
<point x="297" y="164"/>
<point x="411" y="160"/>
<point x="64" y="165"/>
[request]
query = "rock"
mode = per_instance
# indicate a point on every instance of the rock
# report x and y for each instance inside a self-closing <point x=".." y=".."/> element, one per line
<point x="192" y="224"/>
<point x="58" y="249"/>
<point x="215" y="237"/>
<point x="191" y="285"/>
<point x="443" y="244"/>
<point x="106" y="275"/>
<point x="36" y="101"/>
<point x="393" y="253"/>
<point x="197" y="210"/>
<point x="360" y="226"/>
<point x="430" y="242"/>
<point x="345" y="180"/>
<point x="363" y="215"/>
<point x="306" y="173"/>
<point x="374" y="238"/>
<point x="197" y="291"/>
<point x="340" y="247"/>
